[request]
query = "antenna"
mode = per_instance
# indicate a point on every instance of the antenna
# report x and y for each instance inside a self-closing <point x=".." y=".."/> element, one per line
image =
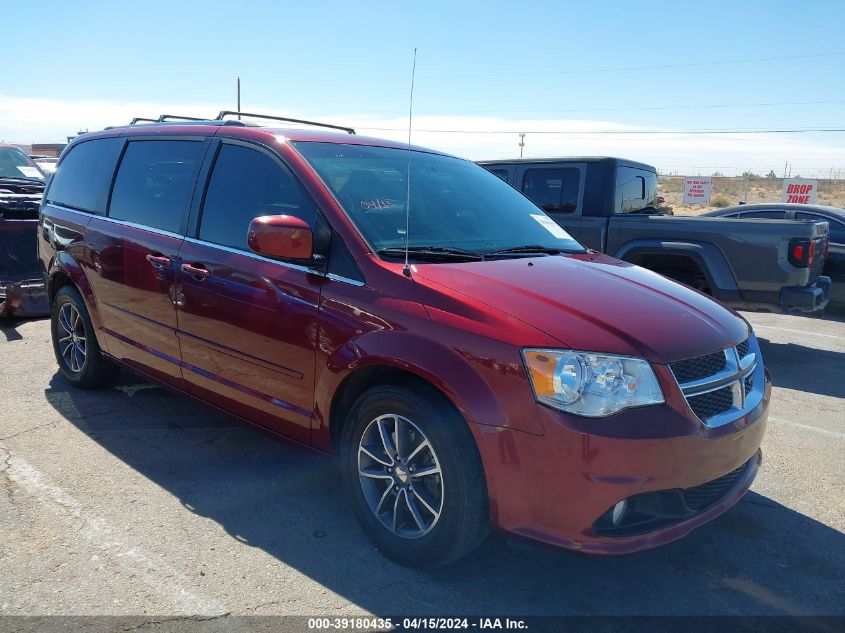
<point x="407" y="269"/>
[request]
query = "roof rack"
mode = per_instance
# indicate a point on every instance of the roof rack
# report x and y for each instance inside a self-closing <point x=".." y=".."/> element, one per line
<point x="170" y="117"/>
<point x="226" y="113"/>
<point x="220" y="120"/>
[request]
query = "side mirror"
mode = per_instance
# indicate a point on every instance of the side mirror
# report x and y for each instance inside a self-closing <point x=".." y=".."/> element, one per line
<point x="281" y="237"/>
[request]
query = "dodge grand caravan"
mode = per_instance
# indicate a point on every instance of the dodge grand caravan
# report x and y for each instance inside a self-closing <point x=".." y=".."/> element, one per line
<point x="503" y="375"/>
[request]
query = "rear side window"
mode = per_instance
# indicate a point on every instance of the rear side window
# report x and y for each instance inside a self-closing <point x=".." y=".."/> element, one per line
<point x="154" y="183"/>
<point x="83" y="178"/>
<point x="772" y="214"/>
<point x="636" y="189"/>
<point x="245" y="184"/>
<point x="501" y="173"/>
<point x="553" y="190"/>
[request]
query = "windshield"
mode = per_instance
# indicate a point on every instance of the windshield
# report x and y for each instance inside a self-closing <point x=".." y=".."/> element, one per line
<point x="15" y="164"/>
<point x="455" y="204"/>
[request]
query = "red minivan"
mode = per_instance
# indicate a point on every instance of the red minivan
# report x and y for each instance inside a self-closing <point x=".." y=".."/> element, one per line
<point x="469" y="362"/>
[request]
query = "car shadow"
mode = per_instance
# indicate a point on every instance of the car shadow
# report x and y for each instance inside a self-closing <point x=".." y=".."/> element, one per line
<point x="804" y="368"/>
<point x="834" y="314"/>
<point x="759" y="558"/>
<point x="831" y="313"/>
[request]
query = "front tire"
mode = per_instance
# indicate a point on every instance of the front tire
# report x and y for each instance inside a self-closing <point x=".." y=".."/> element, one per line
<point x="412" y="470"/>
<point x="74" y="342"/>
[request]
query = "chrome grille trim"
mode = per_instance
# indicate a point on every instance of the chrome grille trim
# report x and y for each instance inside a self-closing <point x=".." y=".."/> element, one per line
<point x="743" y="373"/>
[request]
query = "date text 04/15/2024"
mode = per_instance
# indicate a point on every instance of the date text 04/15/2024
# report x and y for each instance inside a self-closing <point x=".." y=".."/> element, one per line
<point x="411" y="624"/>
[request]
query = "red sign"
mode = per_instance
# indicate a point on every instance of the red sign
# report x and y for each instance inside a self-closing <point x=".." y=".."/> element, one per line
<point x="799" y="191"/>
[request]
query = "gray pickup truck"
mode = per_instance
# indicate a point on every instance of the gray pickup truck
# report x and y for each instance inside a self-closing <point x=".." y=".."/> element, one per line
<point x="610" y="205"/>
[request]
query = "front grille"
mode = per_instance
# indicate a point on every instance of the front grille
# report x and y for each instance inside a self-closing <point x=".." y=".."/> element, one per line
<point x="698" y="368"/>
<point x="18" y="209"/>
<point x="30" y="189"/>
<point x="706" y="405"/>
<point x="719" y="383"/>
<point x="19" y="213"/>
<point x="703" y="496"/>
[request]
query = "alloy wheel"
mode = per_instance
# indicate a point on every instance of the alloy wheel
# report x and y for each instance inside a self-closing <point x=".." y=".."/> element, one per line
<point x="400" y="476"/>
<point x="71" y="337"/>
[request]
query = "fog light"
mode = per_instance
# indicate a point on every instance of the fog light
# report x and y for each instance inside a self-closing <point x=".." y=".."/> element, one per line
<point x="619" y="511"/>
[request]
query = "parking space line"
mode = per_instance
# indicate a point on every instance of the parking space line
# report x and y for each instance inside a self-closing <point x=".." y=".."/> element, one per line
<point x="783" y="329"/>
<point x="155" y="573"/>
<point x="809" y="427"/>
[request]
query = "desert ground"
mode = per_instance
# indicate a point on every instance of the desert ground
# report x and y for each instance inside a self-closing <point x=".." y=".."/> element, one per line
<point x="731" y="191"/>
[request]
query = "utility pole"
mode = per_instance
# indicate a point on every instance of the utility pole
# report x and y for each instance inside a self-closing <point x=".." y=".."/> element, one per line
<point x="239" y="97"/>
<point x="747" y="174"/>
<point x="521" y="143"/>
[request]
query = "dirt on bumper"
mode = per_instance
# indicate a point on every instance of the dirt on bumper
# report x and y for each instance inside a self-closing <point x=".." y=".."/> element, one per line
<point x="24" y="299"/>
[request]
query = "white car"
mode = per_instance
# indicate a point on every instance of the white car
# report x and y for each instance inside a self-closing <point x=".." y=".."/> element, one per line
<point x="46" y="164"/>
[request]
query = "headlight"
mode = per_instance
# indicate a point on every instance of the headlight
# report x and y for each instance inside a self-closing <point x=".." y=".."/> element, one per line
<point x="590" y="384"/>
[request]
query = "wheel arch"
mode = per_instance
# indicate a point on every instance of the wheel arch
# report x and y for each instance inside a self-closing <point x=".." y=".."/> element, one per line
<point x="706" y="258"/>
<point x="65" y="270"/>
<point x="363" y="378"/>
<point x="391" y="357"/>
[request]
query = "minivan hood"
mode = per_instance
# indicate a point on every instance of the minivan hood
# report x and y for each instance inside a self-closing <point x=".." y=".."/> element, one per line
<point x="593" y="302"/>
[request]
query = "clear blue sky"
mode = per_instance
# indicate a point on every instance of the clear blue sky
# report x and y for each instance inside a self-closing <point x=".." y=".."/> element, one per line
<point x="325" y="58"/>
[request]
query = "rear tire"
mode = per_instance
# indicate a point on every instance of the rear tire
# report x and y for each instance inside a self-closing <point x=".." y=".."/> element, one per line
<point x="692" y="278"/>
<point x="75" y="343"/>
<point x="424" y="502"/>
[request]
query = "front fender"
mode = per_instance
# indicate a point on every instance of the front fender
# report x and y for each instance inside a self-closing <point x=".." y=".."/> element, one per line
<point x="444" y="367"/>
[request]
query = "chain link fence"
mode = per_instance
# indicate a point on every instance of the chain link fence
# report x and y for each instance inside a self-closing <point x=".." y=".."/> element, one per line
<point x="730" y="191"/>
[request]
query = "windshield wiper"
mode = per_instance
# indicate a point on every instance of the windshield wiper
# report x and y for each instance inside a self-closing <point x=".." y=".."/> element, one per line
<point x="21" y="179"/>
<point x="432" y="252"/>
<point x="529" y="249"/>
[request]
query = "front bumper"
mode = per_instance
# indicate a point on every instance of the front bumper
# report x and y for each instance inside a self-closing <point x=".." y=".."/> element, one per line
<point x="26" y="298"/>
<point x="806" y="298"/>
<point x="652" y="512"/>
<point x="556" y="488"/>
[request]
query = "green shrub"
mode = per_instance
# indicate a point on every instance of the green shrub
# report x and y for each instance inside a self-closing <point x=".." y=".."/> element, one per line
<point x="720" y="201"/>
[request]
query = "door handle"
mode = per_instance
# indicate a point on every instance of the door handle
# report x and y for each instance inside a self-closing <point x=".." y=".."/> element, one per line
<point x="197" y="271"/>
<point x="158" y="261"/>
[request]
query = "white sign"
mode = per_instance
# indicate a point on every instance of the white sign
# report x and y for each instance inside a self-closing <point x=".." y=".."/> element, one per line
<point x="551" y="226"/>
<point x="799" y="190"/>
<point x="30" y="172"/>
<point x="697" y="189"/>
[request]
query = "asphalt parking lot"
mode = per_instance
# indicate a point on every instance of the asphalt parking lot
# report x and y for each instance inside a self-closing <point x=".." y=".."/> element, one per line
<point x="133" y="500"/>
